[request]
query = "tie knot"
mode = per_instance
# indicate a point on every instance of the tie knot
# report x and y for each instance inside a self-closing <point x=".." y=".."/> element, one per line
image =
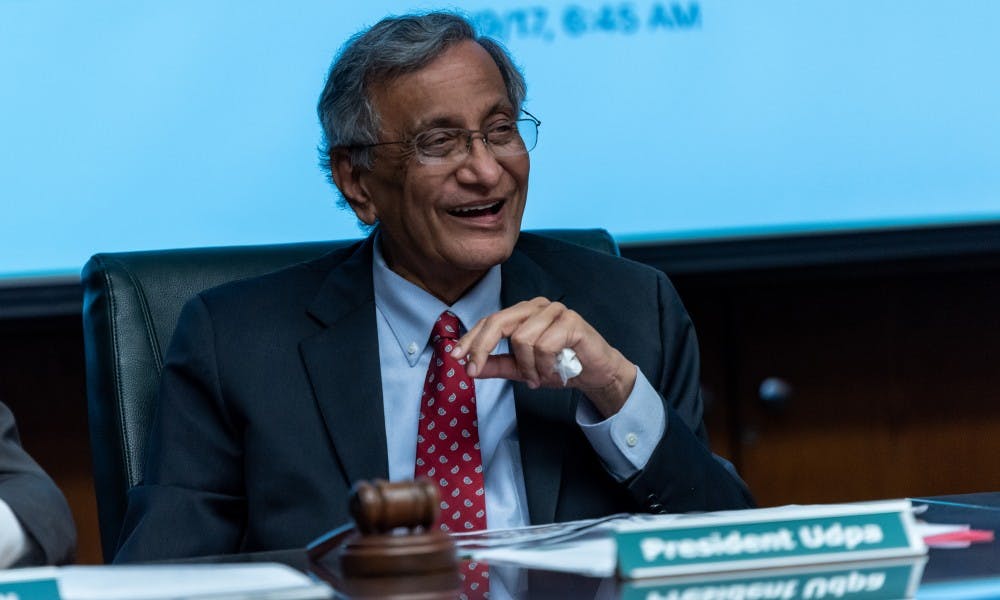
<point x="447" y="327"/>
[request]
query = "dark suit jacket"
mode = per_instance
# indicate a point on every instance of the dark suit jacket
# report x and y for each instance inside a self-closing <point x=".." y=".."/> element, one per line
<point x="271" y="406"/>
<point x="35" y="500"/>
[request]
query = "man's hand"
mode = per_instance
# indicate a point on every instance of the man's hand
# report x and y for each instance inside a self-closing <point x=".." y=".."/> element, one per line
<point x="538" y="329"/>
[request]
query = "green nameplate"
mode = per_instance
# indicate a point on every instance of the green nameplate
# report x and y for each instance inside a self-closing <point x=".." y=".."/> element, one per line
<point x="886" y="580"/>
<point x="766" y="538"/>
<point x="38" y="589"/>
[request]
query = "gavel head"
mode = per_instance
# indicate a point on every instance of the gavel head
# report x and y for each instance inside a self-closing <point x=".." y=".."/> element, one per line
<point x="379" y="507"/>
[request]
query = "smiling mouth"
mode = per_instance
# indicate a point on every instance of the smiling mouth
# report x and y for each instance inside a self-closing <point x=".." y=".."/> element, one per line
<point x="477" y="211"/>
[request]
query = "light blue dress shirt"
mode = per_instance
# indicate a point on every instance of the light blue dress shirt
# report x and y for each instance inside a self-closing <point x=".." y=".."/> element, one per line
<point x="406" y="314"/>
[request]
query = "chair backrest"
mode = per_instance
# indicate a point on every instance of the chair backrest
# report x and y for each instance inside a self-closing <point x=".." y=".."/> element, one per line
<point x="130" y="308"/>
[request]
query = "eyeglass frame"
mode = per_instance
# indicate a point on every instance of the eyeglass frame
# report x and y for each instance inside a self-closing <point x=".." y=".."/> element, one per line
<point x="470" y="136"/>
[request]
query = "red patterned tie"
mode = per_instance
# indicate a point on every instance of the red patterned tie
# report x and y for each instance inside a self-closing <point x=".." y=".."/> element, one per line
<point x="448" y="433"/>
<point x="448" y="446"/>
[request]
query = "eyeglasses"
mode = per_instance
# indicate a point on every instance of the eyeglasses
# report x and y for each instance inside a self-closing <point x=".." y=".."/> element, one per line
<point x="442" y="146"/>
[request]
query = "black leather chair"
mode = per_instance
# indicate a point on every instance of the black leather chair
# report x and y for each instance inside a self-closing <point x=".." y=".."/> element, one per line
<point x="130" y="307"/>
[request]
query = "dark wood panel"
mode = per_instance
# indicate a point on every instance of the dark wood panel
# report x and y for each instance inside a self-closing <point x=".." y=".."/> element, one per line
<point x="894" y="378"/>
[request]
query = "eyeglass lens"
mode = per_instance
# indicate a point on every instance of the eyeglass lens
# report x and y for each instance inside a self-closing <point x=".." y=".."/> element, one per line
<point x="453" y="145"/>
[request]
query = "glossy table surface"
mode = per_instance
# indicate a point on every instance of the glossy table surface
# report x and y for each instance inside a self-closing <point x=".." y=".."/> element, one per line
<point x="979" y="511"/>
<point x="946" y="572"/>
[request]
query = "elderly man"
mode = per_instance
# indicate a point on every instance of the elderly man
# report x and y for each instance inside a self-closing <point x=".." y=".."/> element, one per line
<point x="430" y="348"/>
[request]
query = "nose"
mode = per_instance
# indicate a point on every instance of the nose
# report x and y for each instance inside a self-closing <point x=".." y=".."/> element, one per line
<point x="479" y="167"/>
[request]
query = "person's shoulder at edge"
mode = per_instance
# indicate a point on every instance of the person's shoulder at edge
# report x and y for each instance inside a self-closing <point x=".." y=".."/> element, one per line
<point x="33" y="503"/>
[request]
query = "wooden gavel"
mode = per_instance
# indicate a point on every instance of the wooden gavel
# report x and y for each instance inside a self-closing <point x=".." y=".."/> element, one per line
<point x="380" y="507"/>
<point x="393" y="534"/>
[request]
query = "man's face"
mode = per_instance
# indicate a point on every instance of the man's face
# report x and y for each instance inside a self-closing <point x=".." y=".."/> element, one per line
<point x="443" y="226"/>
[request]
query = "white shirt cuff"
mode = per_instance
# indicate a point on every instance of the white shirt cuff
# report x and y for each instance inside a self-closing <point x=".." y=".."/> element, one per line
<point x="626" y="440"/>
<point x="13" y="540"/>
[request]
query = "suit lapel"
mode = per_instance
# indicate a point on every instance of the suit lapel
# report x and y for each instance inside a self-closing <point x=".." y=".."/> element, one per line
<point x="343" y="365"/>
<point x="539" y="412"/>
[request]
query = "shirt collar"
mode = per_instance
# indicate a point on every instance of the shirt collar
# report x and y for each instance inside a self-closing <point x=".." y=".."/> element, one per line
<point x="411" y="311"/>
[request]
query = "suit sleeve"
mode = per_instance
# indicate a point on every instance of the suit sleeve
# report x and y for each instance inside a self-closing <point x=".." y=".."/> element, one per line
<point x="683" y="475"/>
<point x="35" y="500"/>
<point x="192" y="500"/>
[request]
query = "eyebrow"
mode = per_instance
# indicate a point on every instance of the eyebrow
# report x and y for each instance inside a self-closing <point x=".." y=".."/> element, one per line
<point x="449" y="121"/>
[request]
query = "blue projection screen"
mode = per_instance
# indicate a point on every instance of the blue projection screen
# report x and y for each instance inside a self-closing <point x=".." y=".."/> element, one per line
<point x="139" y="125"/>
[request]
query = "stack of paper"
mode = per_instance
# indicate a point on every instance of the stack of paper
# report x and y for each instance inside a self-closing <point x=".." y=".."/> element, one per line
<point x="257" y="581"/>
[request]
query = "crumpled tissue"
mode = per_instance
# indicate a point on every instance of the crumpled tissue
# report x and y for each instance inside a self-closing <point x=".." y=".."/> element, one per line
<point x="567" y="365"/>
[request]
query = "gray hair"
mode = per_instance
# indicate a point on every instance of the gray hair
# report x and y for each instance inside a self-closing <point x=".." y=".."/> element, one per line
<point x="392" y="47"/>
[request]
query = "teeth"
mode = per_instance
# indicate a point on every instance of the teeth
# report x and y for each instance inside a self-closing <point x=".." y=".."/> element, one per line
<point x="475" y="208"/>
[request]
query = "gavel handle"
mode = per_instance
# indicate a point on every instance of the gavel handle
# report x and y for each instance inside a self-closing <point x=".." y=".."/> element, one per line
<point x="322" y="545"/>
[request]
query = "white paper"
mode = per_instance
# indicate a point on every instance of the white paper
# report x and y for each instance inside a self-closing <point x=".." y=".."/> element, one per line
<point x="533" y="535"/>
<point x="593" y="557"/>
<point x="269" y="581"/>
<point x="585" y="547"/>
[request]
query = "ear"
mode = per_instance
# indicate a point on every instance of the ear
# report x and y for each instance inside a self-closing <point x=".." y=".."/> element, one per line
<point x="348" y="179"/>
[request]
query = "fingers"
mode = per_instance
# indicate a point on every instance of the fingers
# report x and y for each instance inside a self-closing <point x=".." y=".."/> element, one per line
<point x="564" y="332"/>
<point x="500" y="366"/>
<point x="535" y="343"/>
<point x="484" y="336"/>
<point x="537" y="330"/>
